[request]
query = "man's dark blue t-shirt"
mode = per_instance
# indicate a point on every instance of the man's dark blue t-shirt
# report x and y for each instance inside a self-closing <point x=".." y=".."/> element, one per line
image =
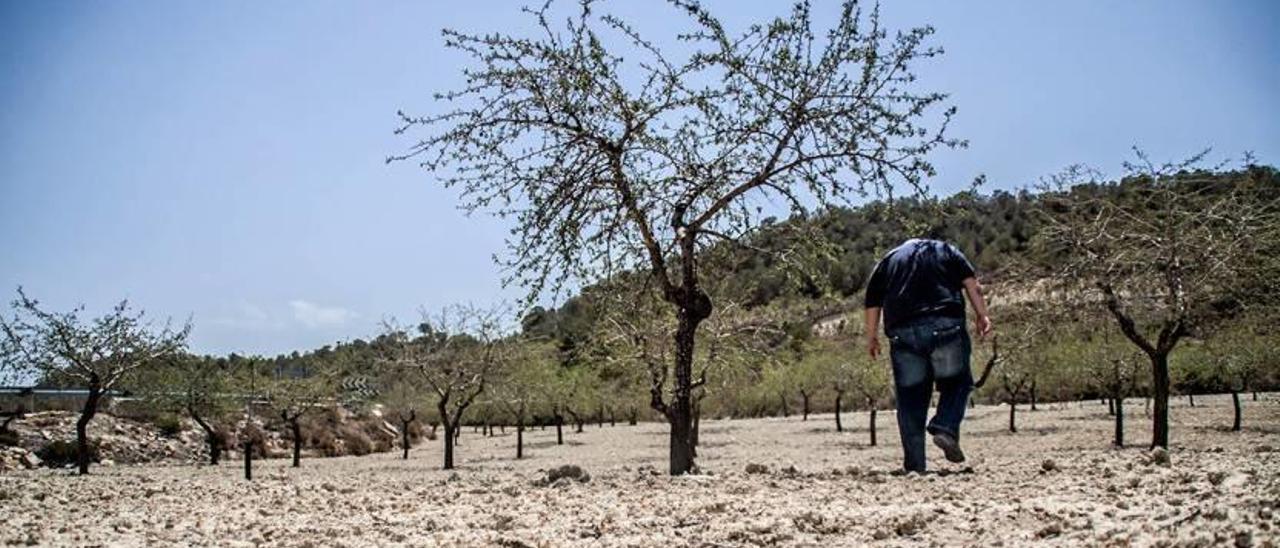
<point x="919" y="278"/>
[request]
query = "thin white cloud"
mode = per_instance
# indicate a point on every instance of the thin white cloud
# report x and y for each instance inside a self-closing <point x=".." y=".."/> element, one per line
<point x="315" y="316"/>
<point x="248" y="316"/>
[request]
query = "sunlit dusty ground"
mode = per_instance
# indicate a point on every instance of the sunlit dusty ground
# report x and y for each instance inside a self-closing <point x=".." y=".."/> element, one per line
<point x="1221" y="488"/>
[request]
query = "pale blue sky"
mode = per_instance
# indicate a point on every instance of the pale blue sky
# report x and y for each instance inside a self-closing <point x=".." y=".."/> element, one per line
<point x="225" y="159"/>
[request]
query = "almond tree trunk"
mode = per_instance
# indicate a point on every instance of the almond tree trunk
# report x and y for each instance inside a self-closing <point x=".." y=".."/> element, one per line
<point x="693" y="306"/>
<point x="248" y="460"/>
<point x="1235" y="402"/>
<point x="804" y="397"/>
<point x="211" y="436"/>
<point x="577" y="420"/>
<point x="404" y="432"/>
<point x="1160" y="384"/>
<point x="839" y="399"/>
<point x="697" y="423"/>
<point x="449" y="439"/>
<point x="559" y="428"/>
<point x="1013" y="410"/>
<point x="452" y="426"/>
<point x="1118" y="404"/>
<point x="82" y="425"/>
<point x="872" y="426"/>
<point x="520" y="438"/>
<point x="296" y="430"/>
<point x="404" y="440"/>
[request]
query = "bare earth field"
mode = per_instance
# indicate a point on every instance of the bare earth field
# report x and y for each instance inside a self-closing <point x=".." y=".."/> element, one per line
<point x="1055" y="483"/>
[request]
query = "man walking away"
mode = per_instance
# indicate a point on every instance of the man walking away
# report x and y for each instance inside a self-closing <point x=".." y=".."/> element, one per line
<point x="918" y="287"/>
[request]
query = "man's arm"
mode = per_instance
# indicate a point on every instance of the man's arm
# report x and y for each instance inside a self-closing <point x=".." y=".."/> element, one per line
<point x="873" y="330"/>
<point x="982" y="322"/>
<point x="873" y="301"/>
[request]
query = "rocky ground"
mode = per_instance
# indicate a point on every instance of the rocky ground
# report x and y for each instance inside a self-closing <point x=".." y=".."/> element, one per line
<point x="120" y="441"/>
<point x="1055" y="483"/>
<point x="126" y="441"/>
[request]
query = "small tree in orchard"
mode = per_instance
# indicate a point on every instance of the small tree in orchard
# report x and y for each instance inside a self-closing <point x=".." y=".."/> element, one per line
<point x="455" y="353"/>
<point x="1023" y="352"/>
<point x="1238" y="356"/>
<point x="813" y="373"/>
<point x="294" y="394"/>
<point x="97" y="354"/>
<point x="824" y="364"/>
<point x="1166" y="252"/>
<point x="871" y="382"/>
<point x="198" y="387"/>
<point x="613" y="153"/>
<point x="576" y="386"/>
<point x="402" y="396"/>
<point x="250" y="378"/>
<point x="522" y="382"/>
<point x="1108" y="365"/>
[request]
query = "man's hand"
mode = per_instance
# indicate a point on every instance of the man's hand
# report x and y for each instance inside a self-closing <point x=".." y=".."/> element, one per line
<point x="873" y="346"/>
<point x="982" y="325"/>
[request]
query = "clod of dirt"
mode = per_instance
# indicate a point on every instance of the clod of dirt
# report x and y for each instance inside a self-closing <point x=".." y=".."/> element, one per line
<point x="754" y="468"/>
<point x="1244" y="539"/>
<point x="1217" y="477"/>
<point x="570" y="471"/>
<point x="910" y="526"/>
<point x="1051" y="530"/>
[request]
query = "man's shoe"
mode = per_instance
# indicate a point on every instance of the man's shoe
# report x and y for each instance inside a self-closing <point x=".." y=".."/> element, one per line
<point x="949" y="445"/>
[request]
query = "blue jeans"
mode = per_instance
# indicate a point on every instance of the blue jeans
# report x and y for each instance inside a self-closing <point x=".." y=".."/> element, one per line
<point x="926" y="351"/>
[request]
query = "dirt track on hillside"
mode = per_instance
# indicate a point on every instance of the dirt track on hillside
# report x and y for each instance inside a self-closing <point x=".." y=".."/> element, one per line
<point x="1056" y="482"/>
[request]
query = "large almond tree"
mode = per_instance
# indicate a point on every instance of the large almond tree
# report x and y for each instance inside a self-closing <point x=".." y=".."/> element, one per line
<point x="614" y="151"/>
<point x="1171" y="251"/>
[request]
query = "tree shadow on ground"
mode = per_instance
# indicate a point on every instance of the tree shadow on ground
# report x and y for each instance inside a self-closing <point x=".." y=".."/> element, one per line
<point x="1267" y="430"/>
<point x="552" y="443"/>
<point x="1038" y="430"/>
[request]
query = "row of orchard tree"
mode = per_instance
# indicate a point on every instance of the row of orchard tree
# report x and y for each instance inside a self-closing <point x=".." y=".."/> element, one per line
<point x="468" y="365"/>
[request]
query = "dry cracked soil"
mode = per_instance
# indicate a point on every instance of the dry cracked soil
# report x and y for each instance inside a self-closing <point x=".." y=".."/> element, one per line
<point x="1056" y="482"/>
